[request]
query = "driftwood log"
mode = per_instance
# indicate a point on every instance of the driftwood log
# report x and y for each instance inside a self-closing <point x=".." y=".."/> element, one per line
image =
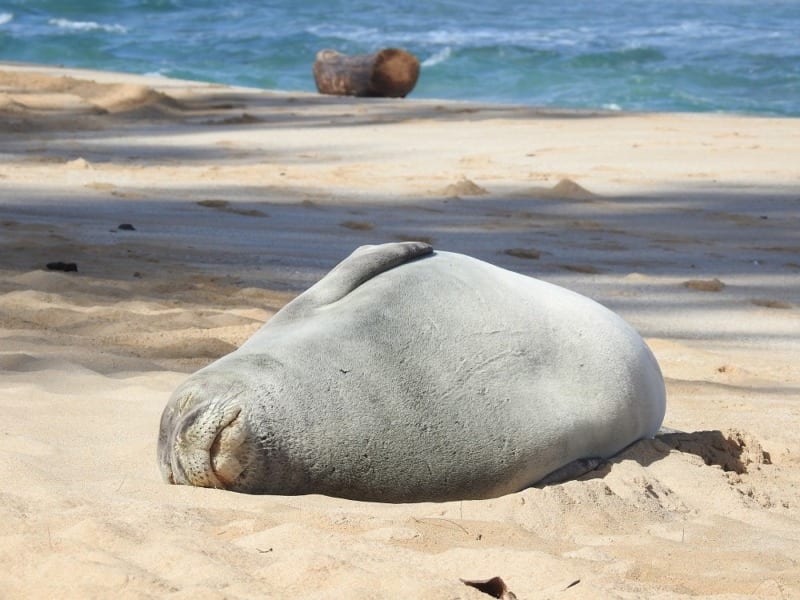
<point x="390" y="73"/>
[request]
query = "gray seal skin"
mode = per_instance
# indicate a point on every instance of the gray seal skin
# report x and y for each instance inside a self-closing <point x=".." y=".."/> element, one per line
<point x="406" y="375"/>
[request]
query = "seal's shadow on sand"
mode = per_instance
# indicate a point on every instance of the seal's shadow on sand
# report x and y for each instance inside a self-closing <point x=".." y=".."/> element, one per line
<point x="731" y="450"/>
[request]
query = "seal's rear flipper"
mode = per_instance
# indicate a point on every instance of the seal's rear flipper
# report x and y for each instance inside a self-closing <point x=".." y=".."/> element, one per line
<point x="667" y="431"/>
<point x="570" y="471"/>
<point x="362" y="265"/>
<point x="365" y="263"/>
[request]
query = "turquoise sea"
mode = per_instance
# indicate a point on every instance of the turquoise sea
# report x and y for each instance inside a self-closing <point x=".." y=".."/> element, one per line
<point x="645" y="55"/>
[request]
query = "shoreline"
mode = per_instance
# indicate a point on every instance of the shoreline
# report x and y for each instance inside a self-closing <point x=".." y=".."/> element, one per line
<point x="685" y="224"/>
<point x="165" y="84"/>
<point x="152" y="79"/>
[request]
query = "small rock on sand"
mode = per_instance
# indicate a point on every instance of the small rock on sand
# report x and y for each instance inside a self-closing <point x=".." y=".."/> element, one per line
<point x="67" y="267"/>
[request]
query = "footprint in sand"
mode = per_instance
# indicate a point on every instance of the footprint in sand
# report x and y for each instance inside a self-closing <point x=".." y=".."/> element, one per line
<point x="476" y="160"/>
<point x="243" y="119"/>
<point x="127" y="195"/>
<point x="528" y="253"/>
<point x="225" y="206"/>
<point x="586" y="269"/>
<point x="113" y="190"/>
<point x="704" y="285"/>
<point x="358" y="225"/>
<point x="100" y="186"/>
<point x="766" y="303"/>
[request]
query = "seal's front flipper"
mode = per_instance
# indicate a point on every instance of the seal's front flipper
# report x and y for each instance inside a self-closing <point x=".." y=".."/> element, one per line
<point x="362" y="265"/>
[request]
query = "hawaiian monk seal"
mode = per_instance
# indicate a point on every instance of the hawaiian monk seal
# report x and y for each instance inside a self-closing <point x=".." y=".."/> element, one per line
<point x="406" y="375"/>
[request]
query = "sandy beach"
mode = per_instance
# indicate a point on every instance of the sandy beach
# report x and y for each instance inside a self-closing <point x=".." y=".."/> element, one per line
<point x="193" y="212"/>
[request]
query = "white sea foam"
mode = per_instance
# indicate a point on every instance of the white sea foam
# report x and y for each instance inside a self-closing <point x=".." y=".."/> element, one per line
<point x="344" y="32"/>
<point x="455" y="38"/>
<point x="438" y="57"/>
<point x="87" y="26"/>
<point x="666" y="55"/>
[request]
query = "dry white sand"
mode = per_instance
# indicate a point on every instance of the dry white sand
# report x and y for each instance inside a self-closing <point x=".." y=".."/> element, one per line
<point x="687" y="225"/>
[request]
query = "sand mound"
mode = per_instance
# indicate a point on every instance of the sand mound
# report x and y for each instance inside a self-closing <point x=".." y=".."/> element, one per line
<point x="733" y="450"/>
<point x="51" y="96"/>
<point x="565" y="189"/>
<point x="126" y="98"/>
<point x="463" y="187"/>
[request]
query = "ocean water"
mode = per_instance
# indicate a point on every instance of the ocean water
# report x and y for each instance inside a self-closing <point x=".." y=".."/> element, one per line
<point x="644" y="55"/>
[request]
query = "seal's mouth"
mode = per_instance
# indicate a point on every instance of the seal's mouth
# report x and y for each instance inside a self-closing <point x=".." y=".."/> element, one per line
<point x="209" y="448"/>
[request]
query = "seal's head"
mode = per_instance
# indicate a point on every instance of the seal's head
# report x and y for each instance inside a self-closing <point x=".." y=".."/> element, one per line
<point x="205" y="438"/>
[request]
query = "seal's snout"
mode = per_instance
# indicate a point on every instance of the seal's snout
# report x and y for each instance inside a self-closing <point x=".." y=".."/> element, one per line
<point x="208" y="447"/>
<point x="228" y="453"/>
